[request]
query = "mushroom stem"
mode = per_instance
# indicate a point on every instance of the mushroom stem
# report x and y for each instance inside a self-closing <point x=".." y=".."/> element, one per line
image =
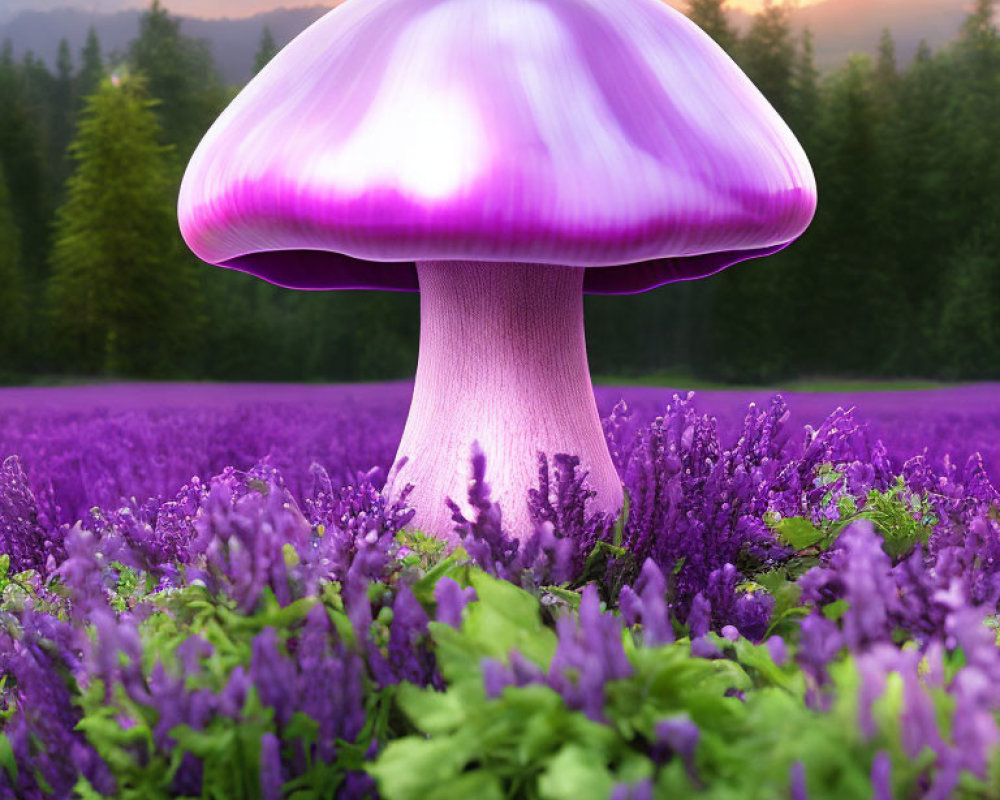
<point x="503" y="361"/>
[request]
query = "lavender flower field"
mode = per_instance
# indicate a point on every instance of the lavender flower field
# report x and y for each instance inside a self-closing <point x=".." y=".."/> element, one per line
<point x="204" y="593"/>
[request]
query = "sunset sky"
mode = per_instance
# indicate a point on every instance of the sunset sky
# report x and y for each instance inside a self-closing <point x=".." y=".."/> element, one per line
<point x="220" y="8"/>
<point x="237" y="8"/>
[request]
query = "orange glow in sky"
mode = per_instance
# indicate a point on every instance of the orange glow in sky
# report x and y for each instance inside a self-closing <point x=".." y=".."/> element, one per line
<point x="246" y="8"/>
<point x="752" y="6"/>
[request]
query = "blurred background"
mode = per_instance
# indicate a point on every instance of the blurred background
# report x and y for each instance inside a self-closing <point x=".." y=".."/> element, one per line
<point x="897" y="103"/>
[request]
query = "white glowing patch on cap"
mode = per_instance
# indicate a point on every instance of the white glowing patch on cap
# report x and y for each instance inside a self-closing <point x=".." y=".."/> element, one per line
<point x="422" y="134"/>
<point x="422" y="144"/>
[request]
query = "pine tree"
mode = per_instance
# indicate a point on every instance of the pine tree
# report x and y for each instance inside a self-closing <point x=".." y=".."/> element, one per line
<point x="970" y="313"/>
<point x="979" y="31"/>
<point x="62" y="113"/>
<point x="886" y="68"/>
<point x="710" y="16"/>
<point x="767" y="54"/>
<point x="266" y="51"/>
<point x="64" y="63"/>
<point x="121" y="295"/>
<point x="91" y="66"/>
<point x="805" y="100"/>
<point x="180" y="74"/>
<point x="22" y="158"/>
<point x="13" y="306"/>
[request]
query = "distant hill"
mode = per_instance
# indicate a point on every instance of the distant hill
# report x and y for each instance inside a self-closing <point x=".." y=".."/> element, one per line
<point x="854" y="26"/>
<point x="234" y="42"/>
<point x="840" y="27"/>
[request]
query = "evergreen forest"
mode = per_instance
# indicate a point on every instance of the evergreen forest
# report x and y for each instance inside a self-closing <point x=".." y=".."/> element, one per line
<point x="898" y="276"/>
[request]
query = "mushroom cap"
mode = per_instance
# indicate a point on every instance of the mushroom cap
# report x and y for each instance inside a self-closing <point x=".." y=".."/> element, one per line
<point x="611" y="135"/>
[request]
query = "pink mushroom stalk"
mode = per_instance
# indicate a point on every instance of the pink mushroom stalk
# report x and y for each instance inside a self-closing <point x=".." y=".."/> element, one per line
<point x="503" y="157"/>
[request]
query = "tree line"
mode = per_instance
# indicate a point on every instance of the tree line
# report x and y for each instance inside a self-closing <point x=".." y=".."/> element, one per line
<point x="899" y="274"/>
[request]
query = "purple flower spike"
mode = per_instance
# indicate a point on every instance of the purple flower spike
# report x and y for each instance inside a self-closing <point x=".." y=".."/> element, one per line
<point x="778" y="650"/>
<point x="22" y="525"/>
<point x="590" y="653"/>
<point x="502" y="158"/>
<point x="647" y="604"/>
<point x="882" y="776"/>
<point x="271" y="779"/>
<point x="451" y="600"/>
<point x="680" y="737"/>
<point x="643" y="790"/>
<point x="797" y="782"/>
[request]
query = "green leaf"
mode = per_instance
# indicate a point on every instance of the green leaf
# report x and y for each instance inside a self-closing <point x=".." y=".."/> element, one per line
<point x="436" y="712"/>
<point x="85" y="791"/>
<point x="412" y="768"/>
<point x="7" y="757"/>
<point x="622" y="520"/>
<point x="454" y="566"/>
<point x="835" y="610"/>
<point x="506" y="618"/>
<point x="798" y="532"/>
<point x="576" y="774"/>
<point x="478" y="784"/>
<point x="757" y="658"/>
<point x="567" y="596"/>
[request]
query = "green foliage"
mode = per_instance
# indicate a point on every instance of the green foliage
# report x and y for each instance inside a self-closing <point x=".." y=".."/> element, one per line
<point x="181" y="76"/>
<point x="267" y="50"/>
<point x="460" y="740"/>
<point x="767" y="54"/>
<point x="22" y="157"/>
<point x="13" y="291"/>
<point x="903" y="518"/>
<point x="710" y="16"/>
<point x="526" y="743"/>
<point x="229" y="748"/>
<point x="122" y="301"/>
<point x="898" y="269"/>
<point x="92" y="66"/>
<point x="970" y="316"/>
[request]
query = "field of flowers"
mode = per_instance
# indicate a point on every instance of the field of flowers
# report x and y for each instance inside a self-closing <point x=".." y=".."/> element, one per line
<point x="204" y="594"/>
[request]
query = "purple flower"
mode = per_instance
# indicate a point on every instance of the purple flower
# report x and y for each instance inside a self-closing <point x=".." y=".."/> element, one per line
<point x="678" y="736"/>
<point x="797" y="782"/>
<point x="483" y="537"/>
<point x="273" y="675"/>
<point x="451" y="600"/>
<point x="819" y="642"/>
<point x="409" y="654"/>
<point x="646" y="605"/>
<point x="357" y="523"/>
<point x="563" y="533"/>
<point x="26" y="535"/>
<point x="881" y="776"/>
<point x="271" y="779"/>
<point x="589" y="655"/>
<point x="643" y="790"/>
<point x="777" y="649"/>
<point x="242" y="537"/>
<point x="561" y="500"/>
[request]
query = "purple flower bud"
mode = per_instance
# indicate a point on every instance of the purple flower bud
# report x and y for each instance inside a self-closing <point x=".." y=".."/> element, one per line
<point x="273" y="676"/>
<point x="703" y="647"/>
<point x="777" y="649"/>
<point x="271" y="778"/>
<point x="797" y="782"/>
<point x="881" y="776"/>
<point x="678" y="736"/>
<point x="451" y="599"/>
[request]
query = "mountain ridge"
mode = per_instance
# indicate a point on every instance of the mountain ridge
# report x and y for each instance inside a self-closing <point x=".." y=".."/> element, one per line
<point x="840" y="27"/>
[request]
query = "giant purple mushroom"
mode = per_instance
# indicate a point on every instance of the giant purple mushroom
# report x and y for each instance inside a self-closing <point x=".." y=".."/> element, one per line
<point x="501" y="157"/>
